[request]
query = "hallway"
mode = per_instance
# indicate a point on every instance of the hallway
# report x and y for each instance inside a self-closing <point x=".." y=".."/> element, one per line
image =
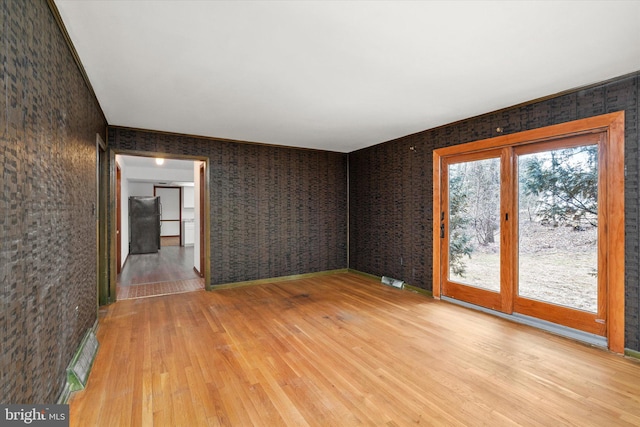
<point x="170" y="271"/>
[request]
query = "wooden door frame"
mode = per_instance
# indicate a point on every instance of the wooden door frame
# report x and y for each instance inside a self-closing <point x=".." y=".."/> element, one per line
<point x="590" y="322"/>
<point x="108" y="287"/>
<point x="102" y="261"/>
<point x="118" y="219"/>
<point x="201" y="230"/>
<point x="473" y="295"/>
<point x="613" y="244"/>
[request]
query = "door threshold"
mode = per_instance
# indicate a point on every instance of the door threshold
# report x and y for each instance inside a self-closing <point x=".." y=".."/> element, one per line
<point x="554" y="328"/>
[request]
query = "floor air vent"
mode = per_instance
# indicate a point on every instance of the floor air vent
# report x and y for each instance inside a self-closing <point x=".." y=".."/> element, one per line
<point x="390" y="281"/>
<point x="78" y="370"/>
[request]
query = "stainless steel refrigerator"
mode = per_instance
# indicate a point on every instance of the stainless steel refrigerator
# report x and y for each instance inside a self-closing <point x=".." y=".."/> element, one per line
<point x="144" y="225"/>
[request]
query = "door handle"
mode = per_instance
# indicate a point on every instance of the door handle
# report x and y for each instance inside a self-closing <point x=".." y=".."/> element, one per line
<point x="442" y="230"/>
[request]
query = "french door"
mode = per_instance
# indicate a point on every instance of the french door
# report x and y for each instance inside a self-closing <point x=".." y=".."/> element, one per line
<point x="472" y="229"/>
<point x="525" y="227"/>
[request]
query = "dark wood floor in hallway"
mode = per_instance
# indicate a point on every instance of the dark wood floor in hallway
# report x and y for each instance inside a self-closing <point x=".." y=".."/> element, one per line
<point x="342" y="350"/>
<point x="169" y="271"/>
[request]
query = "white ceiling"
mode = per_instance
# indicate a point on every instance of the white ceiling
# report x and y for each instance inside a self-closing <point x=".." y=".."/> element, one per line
<point x="339" y="75"/>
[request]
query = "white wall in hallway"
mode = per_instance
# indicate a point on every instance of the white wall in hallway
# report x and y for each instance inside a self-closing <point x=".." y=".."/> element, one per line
<point x="140" y="189"/>
<point x="196" y="216"/>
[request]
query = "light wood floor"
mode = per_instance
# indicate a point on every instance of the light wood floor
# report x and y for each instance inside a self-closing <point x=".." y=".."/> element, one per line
<point x="342" y="350"/>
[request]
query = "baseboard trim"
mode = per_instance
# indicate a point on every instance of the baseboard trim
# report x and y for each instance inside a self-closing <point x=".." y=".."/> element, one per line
<point x="418" y="290"/>
<point x="126" y="258"/>
<point x="406" y="286"/>
<point x="632" y="353"/>
<point x="362" y="273"/>
<point x="277" y="279"/>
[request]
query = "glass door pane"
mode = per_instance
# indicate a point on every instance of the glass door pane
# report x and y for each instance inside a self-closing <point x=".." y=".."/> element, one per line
<point x="558" y="227"/>
<point x="474" y="223"/>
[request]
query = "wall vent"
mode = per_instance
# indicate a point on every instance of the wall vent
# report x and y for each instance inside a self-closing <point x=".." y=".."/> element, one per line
<point x="390" y="281"/>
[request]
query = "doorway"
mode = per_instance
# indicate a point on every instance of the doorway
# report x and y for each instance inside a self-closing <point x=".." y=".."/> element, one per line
<point x="118" y="218"/>
<point x="199" y="220"/>
<point x="172" y="203"/>
<point x="532" y="224"/>
<point x="172" y="267"/>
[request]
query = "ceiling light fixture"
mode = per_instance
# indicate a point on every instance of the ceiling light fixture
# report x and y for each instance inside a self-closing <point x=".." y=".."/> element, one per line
<point x="159" y="161"/>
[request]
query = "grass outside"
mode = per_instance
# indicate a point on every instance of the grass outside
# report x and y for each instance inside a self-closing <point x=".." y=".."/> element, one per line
<point x="556" y="265"/>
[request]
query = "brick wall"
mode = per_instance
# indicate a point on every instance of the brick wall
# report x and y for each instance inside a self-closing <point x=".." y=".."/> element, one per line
<point x="48" y="126"/>
<point x="391" y="186"/>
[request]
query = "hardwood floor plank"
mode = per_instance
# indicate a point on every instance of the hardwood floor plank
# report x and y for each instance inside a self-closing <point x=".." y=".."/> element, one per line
<point x="342" y="350"/>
